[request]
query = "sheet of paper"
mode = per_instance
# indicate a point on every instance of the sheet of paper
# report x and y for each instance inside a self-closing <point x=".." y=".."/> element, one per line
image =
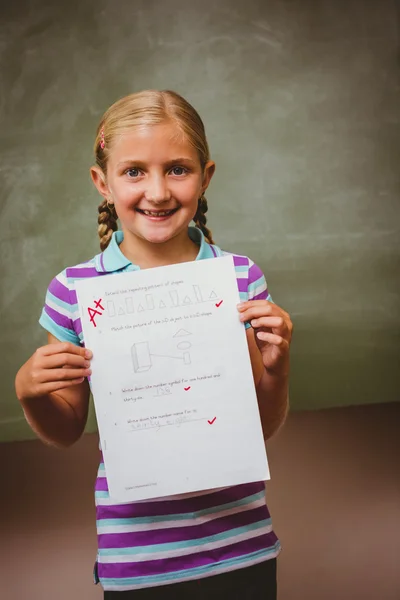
<point x="172" y="380"/>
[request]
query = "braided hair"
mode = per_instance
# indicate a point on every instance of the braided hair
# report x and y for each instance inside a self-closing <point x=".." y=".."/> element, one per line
<point x="107" y="221"/>
<point x="200" y="219"/>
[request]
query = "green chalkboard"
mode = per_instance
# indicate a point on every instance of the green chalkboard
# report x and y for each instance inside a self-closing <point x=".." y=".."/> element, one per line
<point x="301" y="104"/>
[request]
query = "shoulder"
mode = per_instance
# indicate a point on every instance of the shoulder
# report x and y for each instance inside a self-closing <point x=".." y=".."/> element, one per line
<point x="60" y="313"/>
<point x="64" y="282"/>
<point x="250" y="278"/>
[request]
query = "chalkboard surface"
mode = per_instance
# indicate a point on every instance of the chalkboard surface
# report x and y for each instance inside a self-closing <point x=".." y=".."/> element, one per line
<point x="301" y="105"/>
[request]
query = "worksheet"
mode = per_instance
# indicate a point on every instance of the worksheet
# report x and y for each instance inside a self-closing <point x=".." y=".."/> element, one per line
<point x="171" y="380"/>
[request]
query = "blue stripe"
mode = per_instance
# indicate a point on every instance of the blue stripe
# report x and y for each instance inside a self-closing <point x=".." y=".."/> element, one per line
<point x="154" y="548"/>
<point x="98" y="494"/>
<point x="61" y="333"/>
<point x="180" y="516"/>
<point x="241" y="268"/>
<point x="181" y="575"/>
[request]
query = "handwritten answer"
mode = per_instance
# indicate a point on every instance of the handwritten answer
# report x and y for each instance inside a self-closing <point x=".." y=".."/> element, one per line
<point x="165" y="420"/>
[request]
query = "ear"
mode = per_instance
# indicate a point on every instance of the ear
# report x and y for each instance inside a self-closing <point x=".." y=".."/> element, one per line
<point x="99" y="181"/>
<point x="209" y="171"/>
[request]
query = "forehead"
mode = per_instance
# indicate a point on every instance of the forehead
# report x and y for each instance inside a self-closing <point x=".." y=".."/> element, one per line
<point x="155" y="143"/>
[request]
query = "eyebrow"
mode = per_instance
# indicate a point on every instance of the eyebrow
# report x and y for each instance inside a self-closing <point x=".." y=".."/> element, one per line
<point x="140" y="163"/>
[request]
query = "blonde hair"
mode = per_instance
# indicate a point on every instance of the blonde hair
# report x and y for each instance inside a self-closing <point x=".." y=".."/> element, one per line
<point x="144" y="109"/>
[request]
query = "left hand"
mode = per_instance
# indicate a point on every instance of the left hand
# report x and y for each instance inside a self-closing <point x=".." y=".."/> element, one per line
<point x="273" y="333"/>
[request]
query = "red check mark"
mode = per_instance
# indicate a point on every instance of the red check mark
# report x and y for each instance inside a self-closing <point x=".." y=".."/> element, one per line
<point x="187" y="389"/>
<point x="212" y="421"/>
<point x="218" y="304"/>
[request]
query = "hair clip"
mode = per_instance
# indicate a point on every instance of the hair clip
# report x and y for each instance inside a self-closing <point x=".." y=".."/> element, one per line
<point x="102" y="142"/>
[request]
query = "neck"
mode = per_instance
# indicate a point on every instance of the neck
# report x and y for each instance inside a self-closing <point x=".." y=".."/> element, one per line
<point x="147" y="254"/>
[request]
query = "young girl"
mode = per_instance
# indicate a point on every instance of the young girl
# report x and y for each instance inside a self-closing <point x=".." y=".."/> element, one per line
<point x="152" y="170"/>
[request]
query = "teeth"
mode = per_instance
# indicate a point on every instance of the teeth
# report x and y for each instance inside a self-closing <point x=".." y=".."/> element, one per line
<point x="159" y="213"/>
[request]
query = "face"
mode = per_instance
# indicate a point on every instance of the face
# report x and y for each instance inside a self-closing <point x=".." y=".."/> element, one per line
<point x="154" y="178"/>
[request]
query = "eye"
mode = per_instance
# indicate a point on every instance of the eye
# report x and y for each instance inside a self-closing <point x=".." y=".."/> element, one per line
<point x="133" y="173"/>
<point x="178" y="171"/>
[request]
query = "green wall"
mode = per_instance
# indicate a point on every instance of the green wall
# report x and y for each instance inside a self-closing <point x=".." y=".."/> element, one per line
<point x="301" y="105"/>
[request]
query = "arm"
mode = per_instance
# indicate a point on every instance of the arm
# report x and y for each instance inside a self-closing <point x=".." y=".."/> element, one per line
<point x="269" y="341"/>
<point x="272" y="390"/>
<point x="54" y="392"/>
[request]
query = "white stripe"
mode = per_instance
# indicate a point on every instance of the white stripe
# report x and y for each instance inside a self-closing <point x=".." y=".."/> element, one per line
<point x="62" y="278"/>
<point x="260" y="288"/>
<point x="58" y="308"/>
<point x="242" y="274"/>
<point x="134" y="558"/>
<point x="180" y="522"/>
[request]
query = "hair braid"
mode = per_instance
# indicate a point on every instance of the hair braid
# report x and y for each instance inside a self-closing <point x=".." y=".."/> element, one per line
<point x="200" y="219"/>
<point x="107" y="223"/>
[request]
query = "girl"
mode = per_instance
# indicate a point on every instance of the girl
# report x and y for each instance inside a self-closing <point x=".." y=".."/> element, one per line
<point x="152" y="170"/>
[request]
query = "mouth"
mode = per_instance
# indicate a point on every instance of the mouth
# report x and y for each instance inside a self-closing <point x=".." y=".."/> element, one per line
<point x="157" y="214"/>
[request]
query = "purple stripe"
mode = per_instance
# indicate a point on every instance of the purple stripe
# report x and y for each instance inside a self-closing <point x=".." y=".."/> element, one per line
<point x="59" y="319"/>
<point x="59" y="291"/>
<point x="213" y="250"/>
<point x="174" y="507"/>
<point x="191" y="561"/>
<point x="240" y="261"/>
<point x="170" y="535"/>
<point x="83" y="273"/>
<point x="101" y="484"/>
<point x="242" y="285"/>
<point x="255" y="273"/>
<point x="78" y="326"/>
<point x="261" y="296"/>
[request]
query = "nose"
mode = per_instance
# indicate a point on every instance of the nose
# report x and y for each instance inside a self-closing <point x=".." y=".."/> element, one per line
<point x="157" y="190"/>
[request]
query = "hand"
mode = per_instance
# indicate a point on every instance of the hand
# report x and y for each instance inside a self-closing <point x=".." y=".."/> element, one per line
<point x="51" y="368"/>
<point x="273" y="333"/>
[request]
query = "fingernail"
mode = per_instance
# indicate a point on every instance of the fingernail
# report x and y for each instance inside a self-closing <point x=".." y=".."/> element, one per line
<point x="242" y="317"/>
<point x="88" y="354"/>
<point x="86" y="364"/>
<point x="240" y="305"/>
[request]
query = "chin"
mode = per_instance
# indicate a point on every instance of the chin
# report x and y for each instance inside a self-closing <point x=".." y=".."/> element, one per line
<point x="158" y="237"/>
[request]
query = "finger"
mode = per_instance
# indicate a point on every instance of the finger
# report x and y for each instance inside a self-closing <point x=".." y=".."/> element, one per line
<point x="261" y="310"/>
<point x="65" y="359"/>
<point x="60" y="375"/>
<point x="269" y="307"/>
<point x="243" y="306"/>
<point x="276" y="323"/>
<point x="274" y="339"/>
<point x="48" y="388"/>
<point x="65" y="348"/>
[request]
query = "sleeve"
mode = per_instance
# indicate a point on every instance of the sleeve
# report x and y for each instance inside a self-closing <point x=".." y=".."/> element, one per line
<point x="257" y="288"/>
<point x="59" y="310"/>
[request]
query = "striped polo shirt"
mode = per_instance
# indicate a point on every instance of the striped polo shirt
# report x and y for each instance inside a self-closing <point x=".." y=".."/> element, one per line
<point x="178" y="538"/>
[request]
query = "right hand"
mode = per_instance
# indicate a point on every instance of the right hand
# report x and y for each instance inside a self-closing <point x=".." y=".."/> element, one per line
<point x="53" y="367"/>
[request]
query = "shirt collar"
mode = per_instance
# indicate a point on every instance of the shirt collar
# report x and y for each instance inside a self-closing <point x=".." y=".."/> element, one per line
<point x="112" y="259"/>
